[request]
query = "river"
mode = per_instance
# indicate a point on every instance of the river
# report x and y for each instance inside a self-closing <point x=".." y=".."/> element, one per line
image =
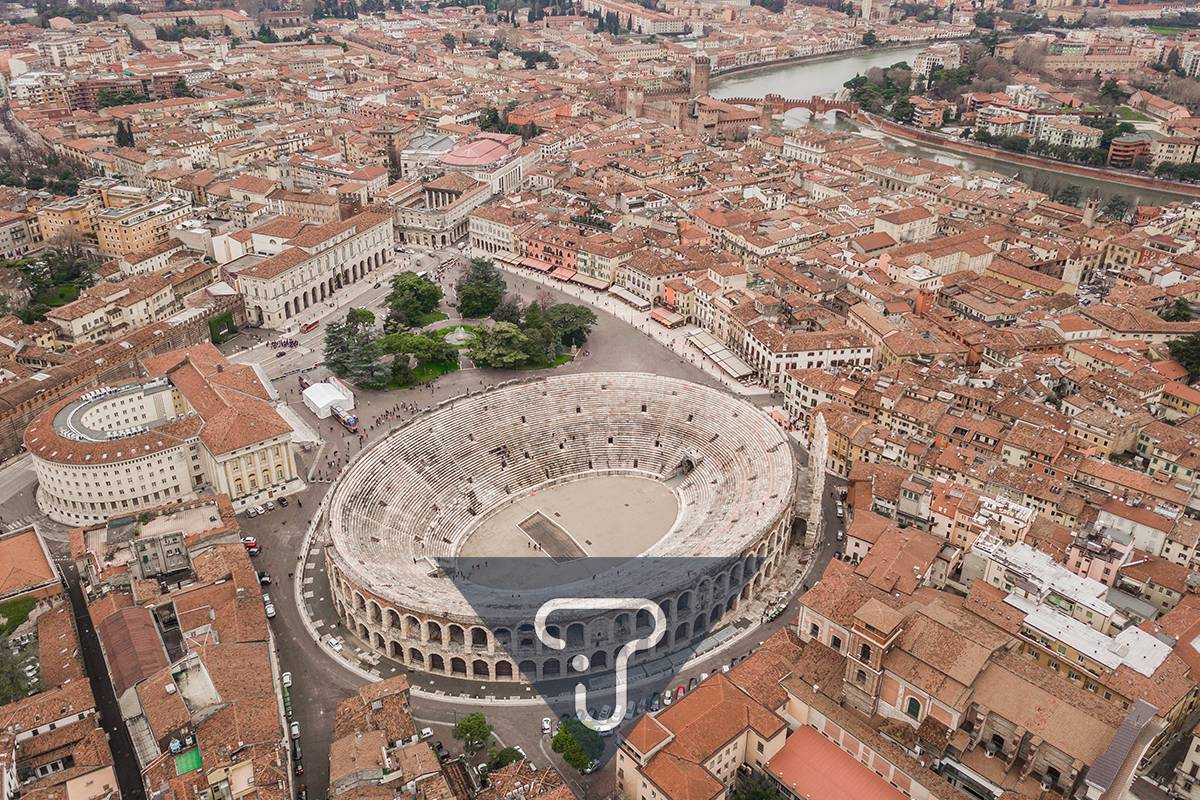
<point x="827" y="76"/>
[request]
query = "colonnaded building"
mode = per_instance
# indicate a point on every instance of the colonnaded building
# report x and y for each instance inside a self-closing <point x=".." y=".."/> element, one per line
<point x="447" y="536"/>
<point x="195" y="424"/>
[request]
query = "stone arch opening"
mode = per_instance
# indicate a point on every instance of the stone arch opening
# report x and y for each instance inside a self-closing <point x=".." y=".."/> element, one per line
<point x="437" y="663"/>
<point x="504" y="670"/>
<point x="479" y="669"/>
<point x="551" y="667"/>
<point x="479" y="637"/>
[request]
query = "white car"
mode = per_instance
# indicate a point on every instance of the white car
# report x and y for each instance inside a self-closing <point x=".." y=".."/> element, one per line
<point x="270" y="505"/>
<point x="266" y="599"/>
<point x="270" y="611"/>
<point x="334" y="644"/>
<point x="295" y="730"/>
<point x="546" y="726"/>
<point x="253" y="512"/>
<point x="260" y="509"/>
<point x="286" y="680"/>
<point x="426" y="733"/>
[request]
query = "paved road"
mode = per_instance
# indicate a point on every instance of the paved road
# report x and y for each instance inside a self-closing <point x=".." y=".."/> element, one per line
<point x="129" y="776"/>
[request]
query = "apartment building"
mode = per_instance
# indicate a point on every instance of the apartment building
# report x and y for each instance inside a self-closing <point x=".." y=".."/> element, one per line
<point x="124" y="229"/>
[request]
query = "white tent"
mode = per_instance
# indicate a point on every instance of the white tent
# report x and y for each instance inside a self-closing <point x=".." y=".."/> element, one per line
<point x="321" y="397"/>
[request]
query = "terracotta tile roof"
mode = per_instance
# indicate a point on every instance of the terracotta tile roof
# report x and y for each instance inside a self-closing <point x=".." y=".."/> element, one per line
<point x="132" y="646"/>
<point x="23" y="563"/>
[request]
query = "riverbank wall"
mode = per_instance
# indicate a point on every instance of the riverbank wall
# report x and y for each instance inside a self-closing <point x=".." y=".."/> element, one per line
<point x="964" y="147"/>
<point x="816" y="58"/>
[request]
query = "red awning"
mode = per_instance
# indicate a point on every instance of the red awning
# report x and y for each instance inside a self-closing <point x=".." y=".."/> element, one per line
<point x="563" y="274"/>
<point x="533" y="263"/>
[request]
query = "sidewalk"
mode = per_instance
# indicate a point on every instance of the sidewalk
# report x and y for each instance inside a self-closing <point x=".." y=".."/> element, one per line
<point x="675" y="339"/>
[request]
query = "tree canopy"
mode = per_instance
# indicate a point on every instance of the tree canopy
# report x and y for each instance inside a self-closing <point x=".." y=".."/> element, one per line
<point x="351" y="351"/>
<point x="577" y="744"/>
<point x="1187" y="352"/>
<point x="411" y="299"/>
<point x="480" y="290"/>
<point x="473" y="731"/>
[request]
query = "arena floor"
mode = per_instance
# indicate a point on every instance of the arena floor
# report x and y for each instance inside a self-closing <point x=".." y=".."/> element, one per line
<point x="605" y="516"/>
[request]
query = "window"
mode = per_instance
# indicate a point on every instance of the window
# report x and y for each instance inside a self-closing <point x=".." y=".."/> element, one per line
<point x="913" y="708"/>
<point x="836" y="643"/>
<point x="864" y="653"/>
<point x="814" y="630"/>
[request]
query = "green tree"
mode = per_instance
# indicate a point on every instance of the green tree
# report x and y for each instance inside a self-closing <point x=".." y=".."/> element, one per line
<point x="577" y="744"/>
<point x="509" y="310"/>
<point x="1187" y="352"/>
<point x="1067" y="194"/>
<point x="869" y="39"/>
<point x="539" y="331"/>
<point x="181" y="88"/>
<point x="755" y="787"/>
<point x="571" y="322"/>
<point x="502" y="758"/>
<point x="107" y="98"/>
<point x="12" y="681"/>
<point x="449" y="41"/>
<point x="124" y="134"/>
<point x="1179" y="311"/>
<point x="350" y="348"/>
<point x="1111" y="91"/>
<point x="1116" y="206"/>
<point x="473" y="731"/>
<point x="411" y="298"/>
<point x="266" y="35"/>
<point x="481" y="289"/>
<point x="503" y="346"/>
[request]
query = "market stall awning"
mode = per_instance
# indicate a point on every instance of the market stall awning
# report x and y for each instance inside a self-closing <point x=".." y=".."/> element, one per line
<point x="533" y="263"/>
<point x="626" y="296"/>
<point x="588" y="280"/>
<point x="667" y="318"/>
<point x="563" y="274"/>
<point x="724" y="358"/>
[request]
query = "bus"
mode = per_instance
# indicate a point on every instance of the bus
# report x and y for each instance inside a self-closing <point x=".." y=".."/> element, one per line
<point x="308" y="326"/>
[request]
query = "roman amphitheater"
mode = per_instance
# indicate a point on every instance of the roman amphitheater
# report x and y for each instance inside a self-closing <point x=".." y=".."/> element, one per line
<point x="448" y="535"/>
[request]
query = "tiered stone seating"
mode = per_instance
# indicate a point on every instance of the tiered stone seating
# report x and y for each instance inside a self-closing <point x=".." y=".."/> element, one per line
<point x="416" y="494"/>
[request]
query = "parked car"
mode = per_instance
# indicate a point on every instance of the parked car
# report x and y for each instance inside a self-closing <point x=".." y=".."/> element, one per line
<point x="592" y="766"/>
<point x="442" y="752"/>
<point x="299" y="768"/>
<point x="286" y="680"/>
<point x="297" y="753"/>
<point x="295" y="728"/>
<point x="253" y="512"/>
<point x="264" y="578"/>
<point x="691" y="684"/>
<point x="641" y="705"/>
<point x="654" y="706"/>
<point x="266" y="599"/>
<point x="302" y="792"/>
<point x="679" y="690"/>
<point x="630" y="711"/>
<point x="524" y="757"/>
<point x="426" y="733"/>
<point x="841" y="511"/>
<point x="249" y="541"/>
<point x="333" y="643"/>
<point x="280" y="353"/>
<point x="260" y="509"/>
<point x="666" y="701"/>
<point x="283" y="501"/>
<point x="270" y="505"/>
<point x="270" y="611"/>
<point x="546" y="726"/>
